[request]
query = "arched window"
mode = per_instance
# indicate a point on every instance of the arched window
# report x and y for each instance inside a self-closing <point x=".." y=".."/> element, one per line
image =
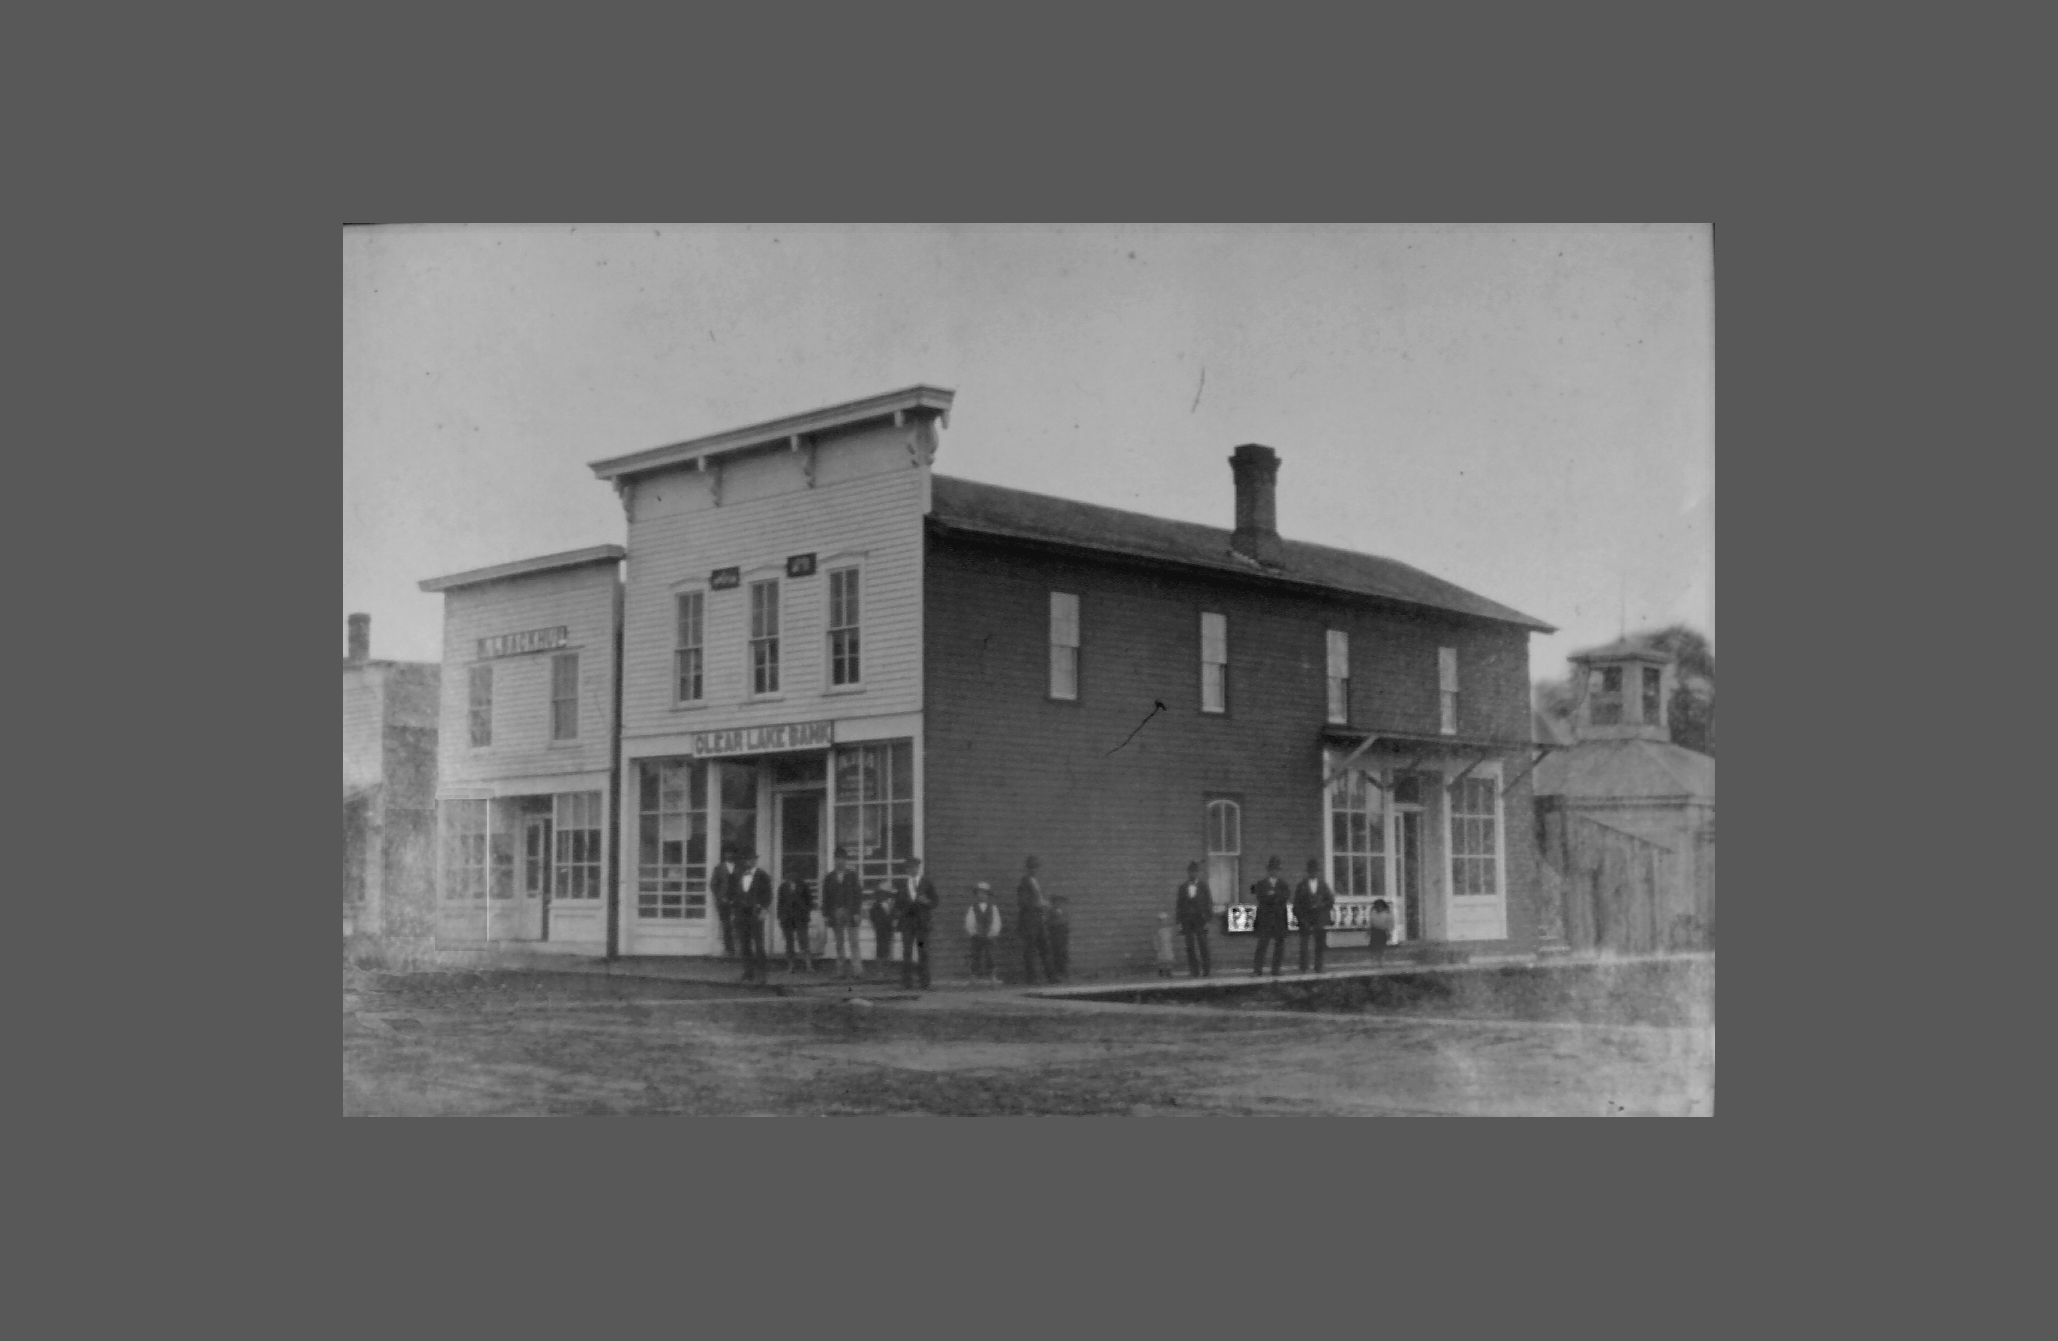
<point x="1225" y="851"/>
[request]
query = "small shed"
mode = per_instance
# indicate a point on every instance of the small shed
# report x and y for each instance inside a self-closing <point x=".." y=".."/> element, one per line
<point x="1625" y="817"/>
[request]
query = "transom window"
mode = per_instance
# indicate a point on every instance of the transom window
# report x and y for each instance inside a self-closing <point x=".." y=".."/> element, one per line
<point x="1357" y="836"/>
<point x="480" y="704"/>
<point x="1225" y="850"/>
<point x="1606" y="688"/>
<point x="875" y="808"/>
<point x="1475" y="840"/>
<point x="1214" y="662"/>
<point x="689" y="648"/>
<point x="1064" y="645"/>
<point x="671" y="839"/>
<point x="764" y="637"/>
<point x="1339" y="676"/>
<point x="564" y="696"/>
<point x="577" y="868"/>
<point x="843" y="626"/>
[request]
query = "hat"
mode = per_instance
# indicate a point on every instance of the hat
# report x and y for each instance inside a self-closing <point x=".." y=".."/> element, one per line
<point x="983" y="888"/>
<point x="1314" y="863"/>
<point x="1272" y="865"/>
<point x="842" y="851"/>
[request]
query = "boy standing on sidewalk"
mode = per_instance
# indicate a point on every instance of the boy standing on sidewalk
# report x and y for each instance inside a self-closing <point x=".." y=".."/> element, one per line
<point x="1164" y="945"/>
<point x="795" y="901"/>
<point x="982" y="924"/>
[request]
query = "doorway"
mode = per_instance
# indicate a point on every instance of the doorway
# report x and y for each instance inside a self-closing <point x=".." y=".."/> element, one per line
<point x="1408" y="871"/>
<point x="535" y="914"/>
<point x="797" y="834"/>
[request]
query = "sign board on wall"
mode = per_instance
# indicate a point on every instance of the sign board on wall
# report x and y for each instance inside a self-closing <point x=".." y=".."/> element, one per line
<point x="723" y="579"/>
<point x="1348" y="915"/>
<point x="800" y="565"/>
<point x="764" y="739"/>
<point x="515" y="644"/>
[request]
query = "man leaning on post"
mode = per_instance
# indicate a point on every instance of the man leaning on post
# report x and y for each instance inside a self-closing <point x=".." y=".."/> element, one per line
<point x="914" y="907"/>
<point x="1029" y="924"/>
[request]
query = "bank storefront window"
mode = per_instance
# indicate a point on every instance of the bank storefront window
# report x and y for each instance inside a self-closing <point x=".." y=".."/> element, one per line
<point x="875" y="808"/>
<point x="671" y="847"/>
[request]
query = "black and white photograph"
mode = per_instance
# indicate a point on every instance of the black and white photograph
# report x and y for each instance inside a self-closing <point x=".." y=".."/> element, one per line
<point x="1154" y="670"/>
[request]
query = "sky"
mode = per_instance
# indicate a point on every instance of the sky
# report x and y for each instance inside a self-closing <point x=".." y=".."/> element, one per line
<point x="1527" y="411"/>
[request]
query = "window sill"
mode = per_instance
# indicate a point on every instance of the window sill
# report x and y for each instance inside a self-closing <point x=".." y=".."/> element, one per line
<point x="697" y="705"/>
<point x="766" y="698"/>
<point x="857" y="688"/>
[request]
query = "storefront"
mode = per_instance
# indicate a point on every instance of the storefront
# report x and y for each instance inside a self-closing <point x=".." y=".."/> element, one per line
<point x="790" y="793"/>
<point x="526" y="865"/>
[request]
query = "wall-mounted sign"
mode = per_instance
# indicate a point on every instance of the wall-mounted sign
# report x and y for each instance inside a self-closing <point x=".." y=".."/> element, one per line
<point x="1347" y="915"/>
<point x="800" y="565"/>
<point x="514" y="644"/>
<point x="721" y="579"/>
<point x="764" y="739"/>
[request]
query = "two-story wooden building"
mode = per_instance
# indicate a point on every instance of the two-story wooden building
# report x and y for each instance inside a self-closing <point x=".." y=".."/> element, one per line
<point x="825" y="643"/>
<point x="525" y="791"/>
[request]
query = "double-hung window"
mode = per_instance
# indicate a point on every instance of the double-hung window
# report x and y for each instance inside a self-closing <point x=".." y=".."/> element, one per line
<point x="1339" y="676"/>
<point x="577" y="828"/>
<point x="1225" y="851"/>
<point x="1654" y="704"/>
<point x="764" y="637"/>
<point x="1214" y="662"/>
<point x="1475" y="840"/>
<point x="480" y="703"/>
<point x="1064" y="645"/>
<point x="844" y="667"/>
<point x="1447" y="690"/>
<point x="564" y="696"/>
<point x="689" y="650"/>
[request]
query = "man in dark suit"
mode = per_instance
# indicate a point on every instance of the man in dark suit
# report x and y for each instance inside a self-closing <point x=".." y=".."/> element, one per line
<point x="1030" y="907"/>
<point x="883" y="924"/>
<point x="914" y="908"/>
<point x="719" y="889"/>
<point x="1312" y="900"/>
<point x="843" y="902"/>
<point x="1271" y="895"/>
<point x="1193" y="912"/>
<point x="752" y="896"/>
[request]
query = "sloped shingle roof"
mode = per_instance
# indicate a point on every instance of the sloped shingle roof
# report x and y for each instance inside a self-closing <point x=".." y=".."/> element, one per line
<point x="989" y="509"/>
<point x="1630" y="769"/>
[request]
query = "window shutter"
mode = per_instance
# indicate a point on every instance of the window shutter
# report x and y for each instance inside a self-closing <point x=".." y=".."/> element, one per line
<point x="1064" y="619"/>
<point x="1214" y="638"/>
<point x="1447" y="669"/>
<point x="1339" y="654"/>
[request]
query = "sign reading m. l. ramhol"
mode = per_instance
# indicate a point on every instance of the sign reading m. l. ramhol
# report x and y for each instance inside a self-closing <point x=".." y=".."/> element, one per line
<point x="764" y="739"/>
<point x="514" y="644"/>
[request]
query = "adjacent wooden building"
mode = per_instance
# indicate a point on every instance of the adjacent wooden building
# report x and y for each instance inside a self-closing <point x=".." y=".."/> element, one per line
<point x="389" y="791"/>
<point x="824" y="642"/>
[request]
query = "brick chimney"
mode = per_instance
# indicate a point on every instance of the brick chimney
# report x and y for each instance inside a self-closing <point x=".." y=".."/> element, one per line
<point x="1257" y="512"/>
<point x="360" y="637"/>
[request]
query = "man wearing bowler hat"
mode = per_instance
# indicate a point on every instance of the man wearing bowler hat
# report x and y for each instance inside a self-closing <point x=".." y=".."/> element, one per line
<point x="843" y="903"/>
<point x="914" y="907"/>
<point x="1271" y="895"/>
<point x="1193" y="911"/>
<point x="1312" y="900"/>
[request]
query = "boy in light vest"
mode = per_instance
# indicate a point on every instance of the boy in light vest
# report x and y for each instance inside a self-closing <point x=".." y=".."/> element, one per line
<point x="982" y="924"/>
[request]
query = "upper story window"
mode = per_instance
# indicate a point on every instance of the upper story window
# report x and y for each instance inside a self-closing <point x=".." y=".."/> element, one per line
<point x="564" y="696"/>
<point x="1654" y="706"/>
<point x="1064" y="645"/>
<point x="1447" y="689"/>
<point x="764" y="637"/>
<point x="1214" y="662"/>
<point x="1605" y="689"/>
<point x="481" y="705"/>
<point x="844" y="667"/>
<point x="690" y="648"/>
<point x="1339" y="676"/>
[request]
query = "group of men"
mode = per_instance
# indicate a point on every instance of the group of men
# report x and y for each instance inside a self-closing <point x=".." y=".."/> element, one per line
<point x="743" y="895"/>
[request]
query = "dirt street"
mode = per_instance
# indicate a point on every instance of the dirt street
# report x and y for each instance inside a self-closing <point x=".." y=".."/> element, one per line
<point x="515" y="1043"/>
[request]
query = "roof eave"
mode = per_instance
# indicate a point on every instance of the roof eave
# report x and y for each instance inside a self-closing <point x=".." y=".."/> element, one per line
<point x="850" y="414"/>
<point x="547" y="563"/>
<point x="1253" y="574"/>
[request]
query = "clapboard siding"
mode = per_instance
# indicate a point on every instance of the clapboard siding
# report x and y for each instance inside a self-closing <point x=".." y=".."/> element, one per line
<point x="1010" y="772"/>
<point x="582" y="599"/>
<point x="866" y="505"/>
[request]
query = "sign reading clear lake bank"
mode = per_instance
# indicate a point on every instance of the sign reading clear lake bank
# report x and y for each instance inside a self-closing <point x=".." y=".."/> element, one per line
<point x="514" y="644"/>
<point x="764" y="739"/>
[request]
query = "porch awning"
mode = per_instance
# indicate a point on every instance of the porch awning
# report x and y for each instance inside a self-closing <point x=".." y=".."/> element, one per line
<point x="1477" y="749"/>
